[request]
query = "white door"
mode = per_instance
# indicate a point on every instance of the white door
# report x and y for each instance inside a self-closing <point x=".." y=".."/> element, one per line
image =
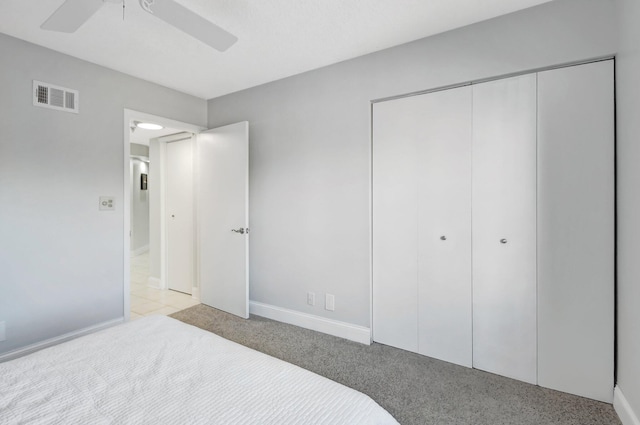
<point x="576" y="225"/>
<point x="504" y="227"/>
<point x="395" y="220"/>
<point x="444" y="226"/>
<point x="179" y="215"/>
<point x="422" y="224"/>
<point x="223" y="219"/>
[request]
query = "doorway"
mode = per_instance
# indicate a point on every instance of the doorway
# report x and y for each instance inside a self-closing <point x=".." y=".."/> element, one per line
<point x="220" y="225"/>
<point x="147" y="287"/>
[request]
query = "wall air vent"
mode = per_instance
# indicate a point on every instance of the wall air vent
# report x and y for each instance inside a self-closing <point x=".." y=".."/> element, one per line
<point x="55" y="97"/>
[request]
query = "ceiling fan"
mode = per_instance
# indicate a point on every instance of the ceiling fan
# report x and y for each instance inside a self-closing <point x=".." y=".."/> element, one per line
<point x="73" y="13"/>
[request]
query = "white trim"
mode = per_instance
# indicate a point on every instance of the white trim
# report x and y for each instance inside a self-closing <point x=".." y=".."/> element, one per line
<point x="623" y="408"/>
<point x="316" y="323"/>
<point x="195" y="288"/>
<point x="126" y="212"/>
<point x="140" y="251"/>
<point x="57" y="340"/>
<point x="195" y="292"/>
<point x="247" y="225"/>
<point x="161" y="166"/>
<point x="155" y="282"/>
<point x="370" y="217"/>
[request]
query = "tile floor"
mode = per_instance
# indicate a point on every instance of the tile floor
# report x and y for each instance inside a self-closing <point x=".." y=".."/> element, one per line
<point x="145" y="300"/>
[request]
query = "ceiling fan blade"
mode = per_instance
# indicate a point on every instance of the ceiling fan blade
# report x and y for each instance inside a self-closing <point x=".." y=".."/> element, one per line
<point x="71" y="15"/>
<point x="189" y="22"/>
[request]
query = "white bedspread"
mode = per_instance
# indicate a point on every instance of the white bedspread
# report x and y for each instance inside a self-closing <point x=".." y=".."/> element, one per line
<point x="158" y="370"/>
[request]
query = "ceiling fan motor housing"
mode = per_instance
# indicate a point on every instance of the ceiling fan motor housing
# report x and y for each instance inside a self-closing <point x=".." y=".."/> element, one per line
<point x="147" y="4"/>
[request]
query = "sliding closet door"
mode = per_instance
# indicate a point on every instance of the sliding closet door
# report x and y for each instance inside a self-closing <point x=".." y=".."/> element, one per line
<point x="444" y="226"/>
<point x="422" y="224"/>
<point x="504" y="227"/>
<point x="576" y="230"/>
<point x="395" y="220"/>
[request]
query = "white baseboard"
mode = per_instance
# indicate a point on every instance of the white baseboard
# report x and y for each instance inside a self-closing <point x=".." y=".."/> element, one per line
<point x="140" y="251"/>
<point x="623" y="408"/>
<point x="308" y="321"/>
<point x="57" y="340"/>
<point x="154" y="282"/>
<point x="195" y="292"/>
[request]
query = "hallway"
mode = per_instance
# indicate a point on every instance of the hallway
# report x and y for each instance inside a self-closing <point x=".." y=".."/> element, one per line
<point x="146" y="301"/>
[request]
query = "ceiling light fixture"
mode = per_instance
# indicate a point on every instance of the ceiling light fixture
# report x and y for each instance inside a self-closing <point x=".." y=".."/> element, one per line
<point x="148" y="125"/>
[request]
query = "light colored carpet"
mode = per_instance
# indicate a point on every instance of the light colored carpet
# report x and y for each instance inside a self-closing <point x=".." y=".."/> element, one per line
<point x="415" y="389"/>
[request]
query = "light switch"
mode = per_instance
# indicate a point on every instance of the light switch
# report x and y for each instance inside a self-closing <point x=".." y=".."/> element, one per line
<point x="106" y="203"/>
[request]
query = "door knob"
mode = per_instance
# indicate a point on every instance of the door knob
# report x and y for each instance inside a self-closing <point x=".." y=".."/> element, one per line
<point x="443" y="238"/>
<point x="503" y="241"/>
<point x="240" y="230"/>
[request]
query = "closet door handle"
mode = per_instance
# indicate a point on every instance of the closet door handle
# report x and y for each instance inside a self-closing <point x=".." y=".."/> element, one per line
<point x="240" y="230"/>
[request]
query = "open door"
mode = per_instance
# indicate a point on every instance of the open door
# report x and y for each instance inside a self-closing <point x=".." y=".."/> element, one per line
<point x="223" y="216"/>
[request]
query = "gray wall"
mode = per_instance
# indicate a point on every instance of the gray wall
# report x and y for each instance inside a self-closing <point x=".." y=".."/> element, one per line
<point x="310" y="143"/>
<point x="628" y="131"/>
<point x="61" y="260"/>
<point x="139" y="206"/>
<point x="139" y="150"/>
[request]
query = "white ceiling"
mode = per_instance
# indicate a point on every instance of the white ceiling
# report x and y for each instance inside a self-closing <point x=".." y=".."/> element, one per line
<point x="277" y="38"/>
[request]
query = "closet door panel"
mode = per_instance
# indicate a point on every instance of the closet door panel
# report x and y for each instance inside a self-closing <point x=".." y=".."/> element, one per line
<point x="576" y="230"/>
<point x="395" y="218"/>
<point x="444" y="226"/>
<point x="504" y="227"/>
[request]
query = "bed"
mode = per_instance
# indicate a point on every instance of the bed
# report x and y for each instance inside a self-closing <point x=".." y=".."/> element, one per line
<point x="158" y="370"/>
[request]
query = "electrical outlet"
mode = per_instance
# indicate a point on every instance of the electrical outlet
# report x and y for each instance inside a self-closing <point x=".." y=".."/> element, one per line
<point x="3" y="333"/>
<point x="330" y="302"/>
<point x="311" y="298"/>
<point x="106" y="203"/>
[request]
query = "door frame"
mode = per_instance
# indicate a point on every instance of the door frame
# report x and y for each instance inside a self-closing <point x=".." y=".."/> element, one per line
<point x="131" y="115"/>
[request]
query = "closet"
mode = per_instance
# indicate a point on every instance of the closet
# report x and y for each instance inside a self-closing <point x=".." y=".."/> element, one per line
<point x="493" y="226"/>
